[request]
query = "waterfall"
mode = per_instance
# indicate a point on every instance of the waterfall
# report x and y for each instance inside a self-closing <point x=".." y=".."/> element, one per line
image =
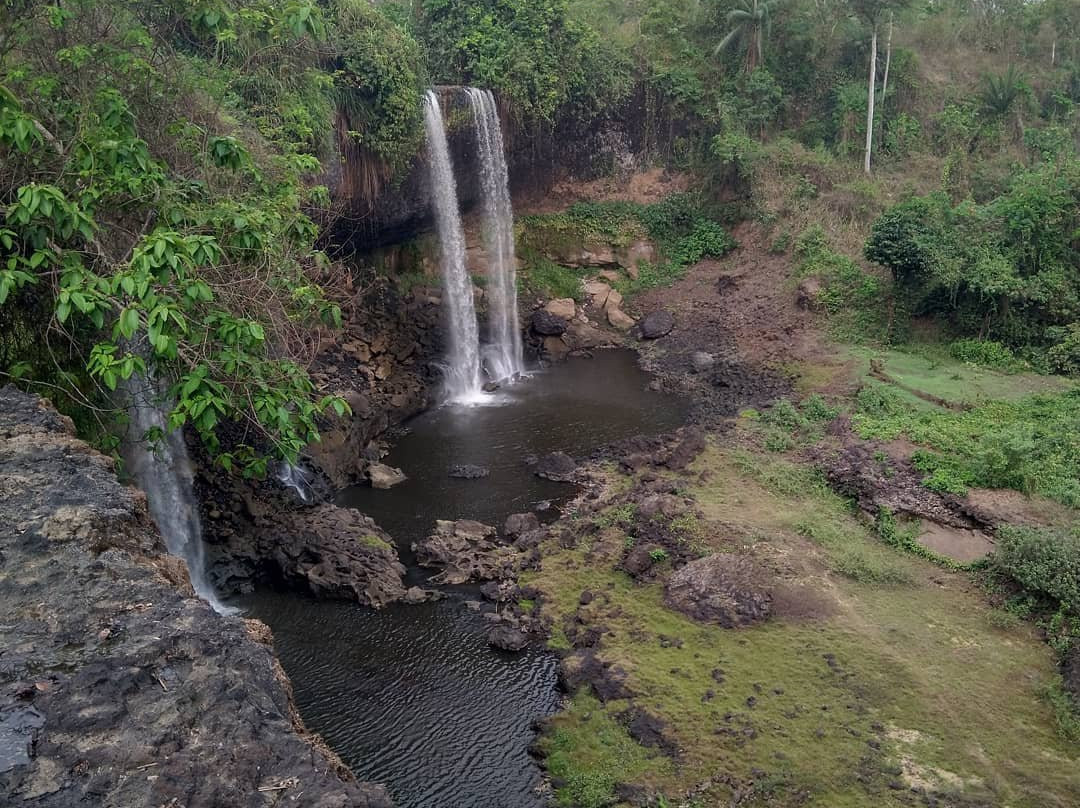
<point x="164" y="472"/>
<point x="296" y="479"/>
<point x="463" y="382"/>
<point x="505" y="353"/>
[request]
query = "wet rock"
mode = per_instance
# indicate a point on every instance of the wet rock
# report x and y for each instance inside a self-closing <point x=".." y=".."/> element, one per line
<point x="469" y="472"/>
<point x="564" y="308"/>
<point x="385" y="477"/>
<point x="520" y="523"/>
<point x="416" y="595"/>
<point x="557" y="466"/>
<point x="507" y="637"/>
<point x="725" y="588"/>
<point x="547" y="324"/>
<point x="466" y="551"/>
<point x="657" y="324"/>
<point x="102" y="641"/>
<point x="701" y="361"/>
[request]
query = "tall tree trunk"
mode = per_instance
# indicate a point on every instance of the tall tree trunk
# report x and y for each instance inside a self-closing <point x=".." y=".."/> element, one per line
<point x="885" y="79"/>
<point x="870" y="101"/>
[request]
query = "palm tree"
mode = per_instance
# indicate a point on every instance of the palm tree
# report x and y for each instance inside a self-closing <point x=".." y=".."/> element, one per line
<point x="1003" y="94"/>
<point x="751" y="21"/>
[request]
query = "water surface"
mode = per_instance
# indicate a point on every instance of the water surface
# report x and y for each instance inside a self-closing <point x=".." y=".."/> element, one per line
<point x="412" y="696"/>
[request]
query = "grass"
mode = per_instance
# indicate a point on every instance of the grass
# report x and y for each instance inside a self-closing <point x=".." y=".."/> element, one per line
<point x="548" y="279"/>
<point x="899" y="678"/>
<point x="374" y="542"/>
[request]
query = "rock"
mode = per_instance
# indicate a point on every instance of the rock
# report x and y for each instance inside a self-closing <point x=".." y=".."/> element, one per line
<point x="598" y="291"/>
<point x="469" y="472"/>
<point x="634" y="255"/>
<point x="520" y="523"/>
<point x="557" y="466"/>
<point x="102" y="640"/>
<point x="384" y="477"/>
<point x="656" y="325"/>
<point x="807" y="294"/>
<point x="614" y="301"/>
<point x="687" y="449"/>
<point x="586" y="598"/>
<point x="609" y="275"/>
<point x="547" y="324"/>
<point x="661" y="504"/>
<point x="620" y="319"/>
<point x="701" y="361"/>
<point x="581" y="336"/>
<point x="726" y="588"/>
<point x="635" y="795"/>
<point x="416" y="595"/>
<point x="649" y="731"/>
<point x="507" y="638"/>
<point x="583" y="667"/>
<point x="555" y="348"/>
<point x="491" y="387"/>
<point x="466" y="551"/>
<point x="564" y="308"/>
<point x="639" y="560"/>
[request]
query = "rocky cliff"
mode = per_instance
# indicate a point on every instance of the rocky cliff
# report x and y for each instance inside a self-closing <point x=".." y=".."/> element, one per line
<point x="118" y="687"/>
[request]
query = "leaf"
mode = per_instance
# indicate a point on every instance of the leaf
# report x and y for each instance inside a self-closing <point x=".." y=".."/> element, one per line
<point x="129" y="322"/>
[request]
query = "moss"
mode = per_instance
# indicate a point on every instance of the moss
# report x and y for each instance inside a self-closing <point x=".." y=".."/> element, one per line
<point x="375" y="543"/>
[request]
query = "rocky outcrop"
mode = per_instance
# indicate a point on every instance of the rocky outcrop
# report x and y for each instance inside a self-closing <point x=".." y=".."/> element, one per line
<point x="466" y="551"/>
<point x="547" y="324"/>
<point x="117" y="686"/>
<point x="324" y="550"/>
<point x="725" y="588"/>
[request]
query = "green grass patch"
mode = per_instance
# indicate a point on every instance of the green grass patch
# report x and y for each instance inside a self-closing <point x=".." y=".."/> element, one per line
<point x="591" y="752"/>
<point x="374" y="542"/>
<point x="545" y="278"/>
<point x="1030" y="445"/>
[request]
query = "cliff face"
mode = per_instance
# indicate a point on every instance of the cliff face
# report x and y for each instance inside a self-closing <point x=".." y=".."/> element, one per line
<point x="117" y="686"/>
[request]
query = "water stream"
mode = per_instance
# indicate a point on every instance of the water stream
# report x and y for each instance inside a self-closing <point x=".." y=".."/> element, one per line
<point x="413" y="696"/>
<point x="463" y="376"/>
<point x="504" y="354"/>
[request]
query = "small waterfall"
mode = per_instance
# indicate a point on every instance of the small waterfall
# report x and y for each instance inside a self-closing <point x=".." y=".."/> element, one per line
<point x="296" y="479"/>
<point x="505" y="353"/>
<point x="464" y="382"/>
<point x="164" y="473"/>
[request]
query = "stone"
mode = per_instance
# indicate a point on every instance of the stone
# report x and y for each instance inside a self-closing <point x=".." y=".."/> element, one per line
<point x="639" y="560"/>
<point x="609" y="275"/>
<point x="557" y="466"/>
<point x="520" y="523"/>
<point x="547" y="324"/>
<point x="657" y="324"/>
<point x="598" y="291"/>
<point x="634" y="255"/>
<point x="469" y="472"/>
<point x="701" y="361"/>
<point x="564" y="307"/>
<point x="416" y="595"/>
<point x="384" y="477"/>
<point x="727" y="589"/>
<point x="691" y="444"/>
<point x="583" y="336"/>
<point x="555" y="348"/>
<point x="507" y="638"/>
<point x="614" y="300"/>
<point x="466" y="551"/>
<point x="620" y="319"/>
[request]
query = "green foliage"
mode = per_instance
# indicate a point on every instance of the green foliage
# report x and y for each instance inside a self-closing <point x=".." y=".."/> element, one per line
<point x="984" y="352"/>
<point x="1028" y="445"/>
<point x="785" y="425"/>
<point x="1006" y="270"/>
<point x="553" y="281"/>
<point x="149" y="230"/>
<point x="378" y="82"/>
<point x="1044" y="562"/>
<point x="905" y="538"/>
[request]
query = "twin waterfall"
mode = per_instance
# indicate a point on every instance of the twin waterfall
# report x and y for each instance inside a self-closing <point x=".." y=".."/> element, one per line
<point x="502" y="358"/>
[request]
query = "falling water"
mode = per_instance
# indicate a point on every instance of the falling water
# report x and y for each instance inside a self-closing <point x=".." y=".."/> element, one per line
<point x="463" y="382"/>
<point x="296" y="479"/>
<point x="163" y="471"/>
<point x="505" y="353"/>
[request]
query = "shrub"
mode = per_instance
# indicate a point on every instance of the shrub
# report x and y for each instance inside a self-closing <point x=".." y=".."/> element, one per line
<point x="983" y="352"/>
<point x="1042" y="561"/>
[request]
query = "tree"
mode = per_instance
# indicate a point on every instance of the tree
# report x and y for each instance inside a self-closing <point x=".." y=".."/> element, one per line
<point x="751" y="20"/>
<point x="872" y="12"/>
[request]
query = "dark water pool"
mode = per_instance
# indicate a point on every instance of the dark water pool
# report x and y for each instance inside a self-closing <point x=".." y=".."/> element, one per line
<point x="412" y="696"/>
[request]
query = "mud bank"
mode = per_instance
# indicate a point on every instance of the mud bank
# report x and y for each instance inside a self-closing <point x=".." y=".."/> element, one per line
<point x="117" y="686"/>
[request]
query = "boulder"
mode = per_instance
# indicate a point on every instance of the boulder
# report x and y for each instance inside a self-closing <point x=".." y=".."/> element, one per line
<point x="701" y="361"/>
<point x="519" y="523"/>
<point x="658" y="324"/>
<point x="727" y="589"/>
<point x="557" y="466"/>
<point x="384" y="477"/>
<point x="547" y="324"/>
<point x="598" y="291"/>
<point x="640" y="559"/>
<point x="564" y="307"/>
<point x="469" y="472"/>
<point x="614" y="300"/>
<point x="465" y="551"/>
<point x="620" y="319"/>
<point x="555" y="348"/>
<point x="507" y="637"/>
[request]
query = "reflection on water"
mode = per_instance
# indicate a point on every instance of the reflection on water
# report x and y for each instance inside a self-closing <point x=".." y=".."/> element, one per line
<point x="412" y="696"/>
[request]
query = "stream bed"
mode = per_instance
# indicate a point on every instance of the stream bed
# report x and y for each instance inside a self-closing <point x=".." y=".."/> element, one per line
<point x="412" y="696"/>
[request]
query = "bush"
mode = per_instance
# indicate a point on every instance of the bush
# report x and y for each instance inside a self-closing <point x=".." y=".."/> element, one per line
<point x="1043" y="561"/>
<point x="984" y="352"/>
